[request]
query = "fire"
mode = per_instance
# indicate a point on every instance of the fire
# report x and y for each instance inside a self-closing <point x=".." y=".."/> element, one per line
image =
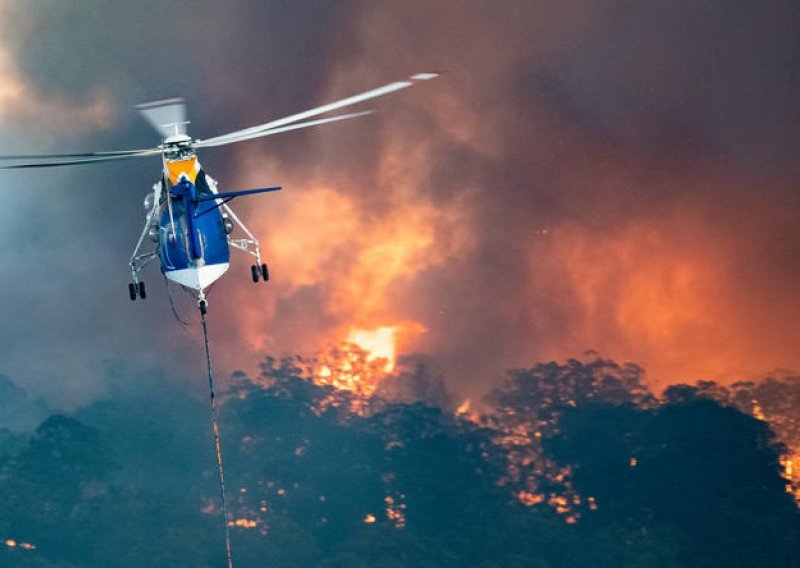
<point x="378" y="343"/>
<point x="369" y="519"/>
<point x="529" y="499"/>
<point x="12" y="543"/>
<point x="366" y="357"/>
<point x="395" y="511"/>
<point x="349" y="368"/>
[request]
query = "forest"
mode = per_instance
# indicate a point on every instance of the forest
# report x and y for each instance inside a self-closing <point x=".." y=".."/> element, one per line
<point x="562" y="464"/>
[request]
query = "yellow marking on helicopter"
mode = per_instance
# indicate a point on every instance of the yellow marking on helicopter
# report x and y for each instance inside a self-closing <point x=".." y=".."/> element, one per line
<point x="178" y="168"/>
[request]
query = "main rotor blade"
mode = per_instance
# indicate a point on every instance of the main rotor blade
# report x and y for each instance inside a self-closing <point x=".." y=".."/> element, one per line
<point x="378" y="92"/>
<point x="78" y="155"/>
<point x="231" y="138"/>
<point x="52" y="163"/>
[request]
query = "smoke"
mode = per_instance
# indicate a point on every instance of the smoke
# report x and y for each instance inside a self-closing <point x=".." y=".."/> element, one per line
<point x="589" y="175"/>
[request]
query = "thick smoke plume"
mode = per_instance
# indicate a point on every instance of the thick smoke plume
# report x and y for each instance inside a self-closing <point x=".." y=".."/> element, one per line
<point x="588" y="175"/>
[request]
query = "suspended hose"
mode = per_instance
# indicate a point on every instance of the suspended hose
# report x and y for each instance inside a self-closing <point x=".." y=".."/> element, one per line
<point x="215" y="427"/>
<point x="175" y="313"/>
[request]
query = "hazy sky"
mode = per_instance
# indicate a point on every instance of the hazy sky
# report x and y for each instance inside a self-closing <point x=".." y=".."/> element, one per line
<point x="609" y="175"/>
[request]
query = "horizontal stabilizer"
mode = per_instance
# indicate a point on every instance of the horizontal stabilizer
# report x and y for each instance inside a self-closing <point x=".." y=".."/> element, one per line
<point x="232" y="194"/>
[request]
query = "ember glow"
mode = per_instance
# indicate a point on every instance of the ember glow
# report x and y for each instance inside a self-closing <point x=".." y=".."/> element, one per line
<point x="379" y="344"/>
<point x="11" y="543"/>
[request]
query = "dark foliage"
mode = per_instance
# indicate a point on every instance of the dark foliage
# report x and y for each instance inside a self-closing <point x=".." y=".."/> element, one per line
<point x="130" y="481"/>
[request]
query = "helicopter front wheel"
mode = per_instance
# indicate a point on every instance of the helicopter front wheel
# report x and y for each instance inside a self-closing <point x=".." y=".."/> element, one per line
<point x="259" y="272"/>
<point x="137" y="289"/>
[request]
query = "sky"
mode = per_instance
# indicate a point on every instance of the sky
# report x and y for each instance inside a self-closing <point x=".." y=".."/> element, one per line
<point x="608" y="176"/>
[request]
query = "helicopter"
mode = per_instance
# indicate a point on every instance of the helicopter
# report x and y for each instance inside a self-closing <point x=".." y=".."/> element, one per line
<point x="188" y="221"/>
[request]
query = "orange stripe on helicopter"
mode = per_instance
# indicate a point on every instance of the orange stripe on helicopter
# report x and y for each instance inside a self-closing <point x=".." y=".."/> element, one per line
<point x="180" y="168"/>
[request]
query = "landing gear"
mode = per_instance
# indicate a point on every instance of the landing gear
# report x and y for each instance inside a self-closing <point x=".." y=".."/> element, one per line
<point x="259" y="272"/>
<point x="151" y="228"/>
<point x="137" y="289"/>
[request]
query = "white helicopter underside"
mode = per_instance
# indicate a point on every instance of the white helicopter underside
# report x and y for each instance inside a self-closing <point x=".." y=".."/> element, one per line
<point x="198" y="277"/>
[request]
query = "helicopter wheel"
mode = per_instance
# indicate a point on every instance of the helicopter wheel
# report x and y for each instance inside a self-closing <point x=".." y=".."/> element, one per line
<point x="265" y="272"/>
<point x="255" y="272"/>
<point x="142" y="291"/>
<point x="132" y="291"/>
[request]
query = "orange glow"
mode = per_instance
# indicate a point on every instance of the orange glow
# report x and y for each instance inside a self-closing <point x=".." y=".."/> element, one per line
<point x="355" y="249"/>
<point x="356" y="262"/>
<point x="664" y="293"/>
<point x="529" y="499"/>
<point x="789" y="475"/>
<point x="369" y="519"/>
<point x="358" y="365"/>
<point x="349" y="368"/>
<point x="11" y="543"/>
<point x="243" y="523"/>
<point x="379" y="344"/>
<point x="395" y="511"/>
<point x="758" y="411"/>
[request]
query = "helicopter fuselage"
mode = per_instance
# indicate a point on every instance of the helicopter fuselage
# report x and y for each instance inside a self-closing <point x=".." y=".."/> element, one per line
<point x="192" y="240"/>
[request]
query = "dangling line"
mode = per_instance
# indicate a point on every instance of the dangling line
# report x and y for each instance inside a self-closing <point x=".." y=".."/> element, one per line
<point x="217" y="445"/>
<point x="175" y="313"/>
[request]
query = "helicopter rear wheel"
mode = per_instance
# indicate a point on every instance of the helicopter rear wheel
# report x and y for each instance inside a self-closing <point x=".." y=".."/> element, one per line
<point x="142" y="291"/>
<point x="132" y="291"/>
<point x="255" y="272"/>
<point x="265" y="272"/>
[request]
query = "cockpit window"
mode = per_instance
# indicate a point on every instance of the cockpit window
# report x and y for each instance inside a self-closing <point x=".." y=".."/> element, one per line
<point x="202" y="184"/>
<point x="177" y="153"/>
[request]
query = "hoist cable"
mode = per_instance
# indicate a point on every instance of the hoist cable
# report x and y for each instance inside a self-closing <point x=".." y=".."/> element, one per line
<point x="215" y="428"/>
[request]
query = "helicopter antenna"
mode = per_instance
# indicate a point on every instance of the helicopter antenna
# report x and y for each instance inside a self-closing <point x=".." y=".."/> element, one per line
<point x="215" y="427"/>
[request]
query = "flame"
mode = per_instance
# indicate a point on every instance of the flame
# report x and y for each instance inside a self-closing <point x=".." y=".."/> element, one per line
<point x="12" y="543"/>
<point x="529" y="499"/>
<point x="369" y="519"/>
<point x="395" y="511"/>
<point x="359" y="364"/>
<point x="378" y="343"/>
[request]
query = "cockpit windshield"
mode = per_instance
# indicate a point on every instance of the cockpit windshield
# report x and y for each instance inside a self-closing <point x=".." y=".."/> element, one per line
<point x="178" y="153"/>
